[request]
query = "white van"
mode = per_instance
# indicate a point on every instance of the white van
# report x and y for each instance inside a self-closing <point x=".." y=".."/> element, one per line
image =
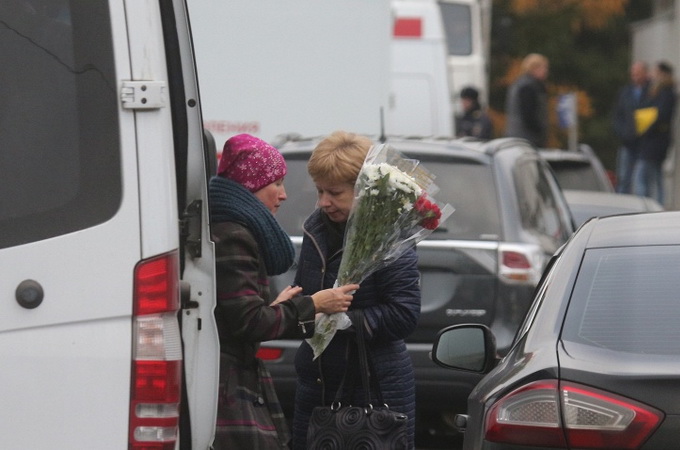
<point x="103" y="218"/>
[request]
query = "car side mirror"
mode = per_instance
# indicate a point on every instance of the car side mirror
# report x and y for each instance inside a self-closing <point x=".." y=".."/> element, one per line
<point x="469" y="347"/>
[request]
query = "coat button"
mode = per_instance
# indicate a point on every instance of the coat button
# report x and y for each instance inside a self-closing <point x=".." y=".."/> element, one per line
<point x="318" y="381"/>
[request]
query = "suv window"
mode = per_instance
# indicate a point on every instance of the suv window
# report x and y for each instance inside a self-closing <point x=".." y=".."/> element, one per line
<point x="466" y="185"/>
<point x="605" y="309"/>
<point x="539" y="212"/>
<point x="60" y="162"/>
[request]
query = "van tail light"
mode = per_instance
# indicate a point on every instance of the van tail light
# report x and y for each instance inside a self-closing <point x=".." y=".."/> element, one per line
<point x="156" y="355"/>
<point x="520" y="263"/>
<point x="568" y="415"/>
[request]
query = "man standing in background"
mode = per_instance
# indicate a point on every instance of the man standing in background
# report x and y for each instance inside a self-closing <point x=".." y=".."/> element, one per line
<point x="473" y="121"/>
<point x="630" y="98"/>
<point x="526" y="104"/>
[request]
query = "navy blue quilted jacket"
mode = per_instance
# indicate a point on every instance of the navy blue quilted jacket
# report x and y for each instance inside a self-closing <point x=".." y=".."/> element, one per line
<point x="390" y="300"/>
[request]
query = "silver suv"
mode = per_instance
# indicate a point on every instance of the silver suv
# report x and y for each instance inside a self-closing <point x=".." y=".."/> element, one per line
<point x="481" y="265"/>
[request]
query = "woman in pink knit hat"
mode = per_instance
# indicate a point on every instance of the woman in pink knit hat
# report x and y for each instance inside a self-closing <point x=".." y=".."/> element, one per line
<point x="250" y="246"/>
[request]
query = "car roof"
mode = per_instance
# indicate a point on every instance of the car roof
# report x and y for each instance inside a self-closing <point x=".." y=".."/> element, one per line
<point x="654" y="228"/>
<point x="564" y="155"/>
<point x="587" y="204"/>
<point x="475" y="149"/>
<point x="611" y="200"/>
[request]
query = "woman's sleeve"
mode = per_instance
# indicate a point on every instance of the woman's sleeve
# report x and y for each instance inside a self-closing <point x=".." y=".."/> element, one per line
<point x="240" y="307"/>
<point x="396" y="314"/>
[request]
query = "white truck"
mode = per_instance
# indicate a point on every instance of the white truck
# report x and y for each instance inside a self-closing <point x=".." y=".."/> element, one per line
<point x="272" y="68"/>
<point x="104" y="240"/>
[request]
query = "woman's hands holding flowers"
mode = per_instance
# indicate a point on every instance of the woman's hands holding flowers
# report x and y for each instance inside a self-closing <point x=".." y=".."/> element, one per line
<point x="337" y="299"/>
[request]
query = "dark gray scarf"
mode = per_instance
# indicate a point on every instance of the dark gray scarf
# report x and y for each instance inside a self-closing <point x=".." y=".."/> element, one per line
<point x="231" y="202"/>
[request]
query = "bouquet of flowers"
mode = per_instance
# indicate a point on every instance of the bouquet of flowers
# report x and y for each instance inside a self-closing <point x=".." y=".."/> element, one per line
<point x="393" y="209"/>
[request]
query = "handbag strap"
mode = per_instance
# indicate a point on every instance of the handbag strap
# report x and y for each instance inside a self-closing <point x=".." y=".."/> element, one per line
<point x="369" y="377"/>
<point x="367" y="373"/>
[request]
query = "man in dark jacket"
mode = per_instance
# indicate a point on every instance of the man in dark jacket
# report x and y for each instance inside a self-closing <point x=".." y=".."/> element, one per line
<point x="630" y="98"/>
<point x="474" y="121"/>
<point x="656" y="139"/>
<point x="526" y="104"/>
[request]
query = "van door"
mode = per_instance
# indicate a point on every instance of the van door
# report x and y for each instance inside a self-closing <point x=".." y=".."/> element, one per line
<point x="69" y="226"/>
<point x="196" y="162"/>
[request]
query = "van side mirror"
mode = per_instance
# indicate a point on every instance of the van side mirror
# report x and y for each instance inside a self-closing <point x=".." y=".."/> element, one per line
<point x="469" y="347"/>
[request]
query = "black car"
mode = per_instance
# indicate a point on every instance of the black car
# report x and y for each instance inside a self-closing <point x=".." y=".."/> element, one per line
<point x="482" y="264"/>
<point x="586" y="204"/>
<point x="596" y="363"/>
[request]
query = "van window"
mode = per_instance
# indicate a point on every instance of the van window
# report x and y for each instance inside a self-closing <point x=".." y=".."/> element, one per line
<point x="59" y="139"/>
<point x="457" y="20"/>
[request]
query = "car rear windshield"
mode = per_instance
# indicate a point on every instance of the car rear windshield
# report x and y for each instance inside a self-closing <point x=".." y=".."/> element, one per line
<point x="576" y="175"/>
<point x="59" y="157"/>
<point x="626" y="299"/>
<point x="468" y="186"/>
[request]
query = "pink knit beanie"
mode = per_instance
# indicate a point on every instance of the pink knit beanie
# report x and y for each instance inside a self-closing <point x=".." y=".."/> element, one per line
<point x="251" y="162"/>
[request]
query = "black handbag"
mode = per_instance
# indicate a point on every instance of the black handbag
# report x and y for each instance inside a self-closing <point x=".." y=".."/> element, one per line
<point x="370" y="426"/>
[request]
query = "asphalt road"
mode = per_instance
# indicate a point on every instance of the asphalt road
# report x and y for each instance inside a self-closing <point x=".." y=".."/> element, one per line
<point x="440" y="443"/>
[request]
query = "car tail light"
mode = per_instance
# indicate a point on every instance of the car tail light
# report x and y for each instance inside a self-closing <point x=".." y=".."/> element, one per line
<point x="568" y="415"/>
<point x="156" y="355"/>
<point x="521" y="263"/>
<point x="269" y="354"/>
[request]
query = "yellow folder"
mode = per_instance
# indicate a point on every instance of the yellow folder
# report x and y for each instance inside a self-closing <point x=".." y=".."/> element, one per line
<point x="644" y="118"/>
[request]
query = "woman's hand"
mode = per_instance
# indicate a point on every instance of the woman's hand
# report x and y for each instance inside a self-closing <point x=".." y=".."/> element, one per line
<point x="286" y="294"/>
<point x="330" y="301"/>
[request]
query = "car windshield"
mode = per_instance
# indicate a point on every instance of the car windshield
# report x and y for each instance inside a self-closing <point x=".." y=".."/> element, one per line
<point x="467" y="186"/>
<point x="626" y="299"/>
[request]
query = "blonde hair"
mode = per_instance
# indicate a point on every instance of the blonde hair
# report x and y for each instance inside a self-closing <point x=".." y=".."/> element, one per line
<point x="533" y="61"/>
<point x="338" y="157"/>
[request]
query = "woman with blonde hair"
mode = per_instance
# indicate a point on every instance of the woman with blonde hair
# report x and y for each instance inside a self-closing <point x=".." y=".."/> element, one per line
<point x="526" y="105"/>
<point x="387" y="305"/>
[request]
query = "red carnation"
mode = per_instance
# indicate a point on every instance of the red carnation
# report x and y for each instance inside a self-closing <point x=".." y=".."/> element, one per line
<point x="429" y="211"/>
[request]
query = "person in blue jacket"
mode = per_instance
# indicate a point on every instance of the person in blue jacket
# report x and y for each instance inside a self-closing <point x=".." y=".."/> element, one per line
<point x="630" y="98"/>
<point x="389" y="298"/>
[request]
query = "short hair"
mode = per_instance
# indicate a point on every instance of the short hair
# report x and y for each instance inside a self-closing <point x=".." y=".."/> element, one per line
<point x="470" y="93"/>
<point x="533" y="61"/>
<point x="338" y="157"/>
<point x="665" y="67"/>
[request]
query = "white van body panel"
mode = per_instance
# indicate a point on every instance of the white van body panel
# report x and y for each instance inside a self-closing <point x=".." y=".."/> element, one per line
<point x="300" y="66"/>
<point x="420" y="102"/>
<point x="154" y="147"/>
